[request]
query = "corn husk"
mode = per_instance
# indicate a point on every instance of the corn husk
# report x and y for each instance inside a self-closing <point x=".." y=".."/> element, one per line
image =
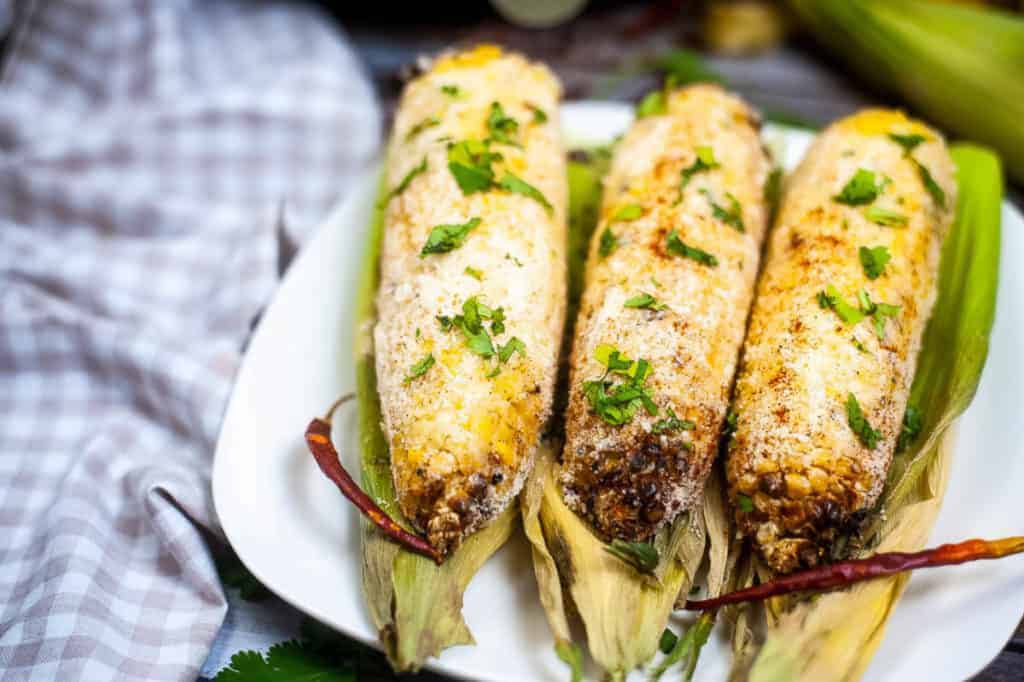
<point x="834" y="636"/>
<point x="415" y="605"/>
<point x="961" y="66"/>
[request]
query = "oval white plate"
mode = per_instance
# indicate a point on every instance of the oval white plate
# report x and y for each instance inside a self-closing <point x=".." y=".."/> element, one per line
<point x="296" y="533"/>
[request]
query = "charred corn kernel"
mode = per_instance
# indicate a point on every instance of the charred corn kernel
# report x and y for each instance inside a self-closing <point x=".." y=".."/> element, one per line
<point x="800" y="366"/>
<point x="630" y="479"/>
<point x="462" y="434"/>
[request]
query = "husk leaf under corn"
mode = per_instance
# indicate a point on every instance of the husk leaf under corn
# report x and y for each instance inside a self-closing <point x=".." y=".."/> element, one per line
<point x="834" y="636"/>
<point x="415" y="604"/>
<point x="961" y="66"/>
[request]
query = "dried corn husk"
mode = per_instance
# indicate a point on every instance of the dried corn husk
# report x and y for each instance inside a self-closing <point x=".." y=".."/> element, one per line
<point x="834" y="636"/>
<point x="415" y="605"/>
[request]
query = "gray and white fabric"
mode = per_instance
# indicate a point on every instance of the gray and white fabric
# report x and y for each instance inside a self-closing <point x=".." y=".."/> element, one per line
<point x="150" y="150"/>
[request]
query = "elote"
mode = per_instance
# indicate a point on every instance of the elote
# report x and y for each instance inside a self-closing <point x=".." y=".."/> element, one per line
<point x="669" y="284"/>
<point x="847" y="288"/>
<point x="471" y="302"/>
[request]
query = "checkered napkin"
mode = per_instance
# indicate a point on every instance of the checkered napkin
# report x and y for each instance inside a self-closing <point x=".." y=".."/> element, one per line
<point x="149" y="152"/>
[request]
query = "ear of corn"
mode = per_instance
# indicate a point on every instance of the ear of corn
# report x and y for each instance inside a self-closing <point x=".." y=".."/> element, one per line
<point x="415" y="605"/>
<point x="927" y="50"/>
<point x="834" y="636"/>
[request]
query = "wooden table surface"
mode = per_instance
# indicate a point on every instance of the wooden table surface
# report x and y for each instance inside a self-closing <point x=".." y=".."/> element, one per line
<point x="602" y="55"/>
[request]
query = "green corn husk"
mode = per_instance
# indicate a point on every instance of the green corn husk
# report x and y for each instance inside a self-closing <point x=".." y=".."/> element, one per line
<point x="961" y="66"/>
<point x="623" y="611"/>
<point x="415" y="604"/>
<point x="833" y="636"/>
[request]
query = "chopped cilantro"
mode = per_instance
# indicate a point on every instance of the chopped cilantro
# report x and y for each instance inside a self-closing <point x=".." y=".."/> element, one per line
<point x="626" y="213"/>
<point x="645" y="301"/>
<point x="616" y="404"/>
<point x="607" y="244"/>
<point x="881" y="216"/>
<point x="401" y="186"/>
<point x="445" y="238"/>
<point x="452" y="91"/>
<point x="470" y="163"/>
<point x="705" y="161"/>
<point x="640" y="555"/>
<point x="539" y="115"/>
<point x="509" y="256"/>
<point x="516" y="185"/>
<point x="676" y="246"/>
<point x="878" y="312"/>
<point x="910" y="429"/>
<point x="672" y="423"/>
<point x="858" y="422"/>
<point x="428" y="122"/>
<point x="860" y="346"/>
<point x="733" y="216"/>
<point x="420" y="368"/>
<point x="908" y="142"/>
<point x="744" y="503"/>
<point x="502" y="128"/>
<point x="874" y="260"/>
<point x="474" y="273"/>
<point x="652" y="104"/>
<point x="445" y="322"/>
<point x="831" y="298"/>
<point x="938" y="196"/>
<point x="514" y="345"/>
<point x="861" y="189"/>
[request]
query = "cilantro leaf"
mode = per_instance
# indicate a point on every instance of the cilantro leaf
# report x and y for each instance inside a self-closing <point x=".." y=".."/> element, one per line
<point x="452" y="91"/>
<point x="607" y="244"/>
<point x="881" y="216"/>
<point x="539" y="115"/>
<point x="428" y="122"/>
<point x="626" y="213"/>
<point x="516" y="185"/>
<point x="938" y="196"/>
<point x="908" y="142"/>
<point x="407" y="180"/>
<point x="420" y="368"/>
<point x="672" y="423"/>
<point x="732" y="216"/>
<point x="474" y="273"/>
<point x="868" y="436"/>
<point x="645" y="300"/>
<point x="653" y="104"/>
<point x="832" y="299"/>
<point x="861" y="189"/>
<point x="910" y="429"/>
<point x="676" y="246"/>
<point x="617" y="403"/>
<point x="744" y="503"/>
<point x="705" y="161"/>
<point x="502" y="128"/>
<point x="445" y="238"/>
<point x="640" y="555"/>
<point x="874" y="260"/>
<point x="514" y="345"/>
<point x="470" y="163"/>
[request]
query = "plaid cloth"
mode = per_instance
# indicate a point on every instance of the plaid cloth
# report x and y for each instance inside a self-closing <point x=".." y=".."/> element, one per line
<point x="149" y="151"/>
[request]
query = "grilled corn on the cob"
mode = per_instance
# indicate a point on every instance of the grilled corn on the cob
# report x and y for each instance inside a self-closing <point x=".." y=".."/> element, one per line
<point x="847" y="288"/>
<point x="472" y="294"/>
<point x="669" y="284"/>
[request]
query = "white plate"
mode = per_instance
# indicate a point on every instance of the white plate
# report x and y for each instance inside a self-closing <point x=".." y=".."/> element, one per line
<point x="296" y="533"/>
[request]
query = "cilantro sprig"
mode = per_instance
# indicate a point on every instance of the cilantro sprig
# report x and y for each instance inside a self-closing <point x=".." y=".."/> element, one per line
<point x="705" y="161"/>
<point x="850" y="314"/>
<point x="860" y="190"/>
<point x="909" y="143"/>
<point x="672" y="423"/>
<point x="407" y="180"/>
<point x="478" y="338"/>
<point x="502" y="127"/>
<point x="470" y="163"/>
<point x="516" y="185"/>
<point x="420" y="368"/>
<point x="645" y="301"/>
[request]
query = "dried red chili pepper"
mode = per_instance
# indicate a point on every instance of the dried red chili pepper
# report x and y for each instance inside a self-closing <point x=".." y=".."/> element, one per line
<point x="318" y="438"/>
<point x="845" y="573"/>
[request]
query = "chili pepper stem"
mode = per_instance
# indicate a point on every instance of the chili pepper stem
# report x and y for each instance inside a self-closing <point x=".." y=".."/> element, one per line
<point x="843" y="573"/>
<point x="318" y="439"/>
